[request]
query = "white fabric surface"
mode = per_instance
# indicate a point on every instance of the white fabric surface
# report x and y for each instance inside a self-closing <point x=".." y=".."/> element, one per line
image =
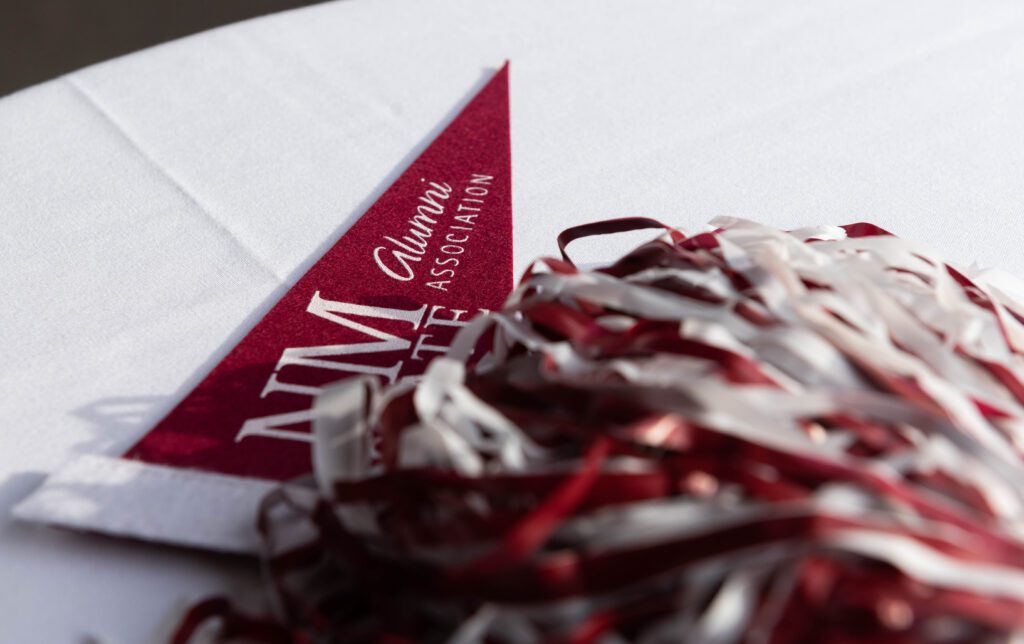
<point x="153" y="206"/>
<point x="129" y="498"/>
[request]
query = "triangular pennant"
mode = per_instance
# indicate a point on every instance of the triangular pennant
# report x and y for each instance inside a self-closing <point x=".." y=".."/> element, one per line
<point x="386" y="298"/>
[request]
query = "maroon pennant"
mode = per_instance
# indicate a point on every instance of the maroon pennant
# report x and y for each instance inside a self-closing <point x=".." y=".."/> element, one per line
<point x="431" y="253"/>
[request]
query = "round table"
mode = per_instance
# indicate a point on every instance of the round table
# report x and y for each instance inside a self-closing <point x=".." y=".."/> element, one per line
<point x="154" y="204"/>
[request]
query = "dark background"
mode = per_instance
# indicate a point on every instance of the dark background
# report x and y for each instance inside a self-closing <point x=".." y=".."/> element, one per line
<point x="41" y="39"/>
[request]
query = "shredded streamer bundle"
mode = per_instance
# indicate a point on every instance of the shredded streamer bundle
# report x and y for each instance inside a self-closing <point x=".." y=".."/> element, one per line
<point x="748" y="435"/>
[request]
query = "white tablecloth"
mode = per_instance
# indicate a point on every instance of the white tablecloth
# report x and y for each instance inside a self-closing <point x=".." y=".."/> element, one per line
<point x="153" y="206"/>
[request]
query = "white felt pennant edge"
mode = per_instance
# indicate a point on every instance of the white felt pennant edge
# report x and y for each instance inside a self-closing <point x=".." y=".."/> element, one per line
<point x="128" y="498"/>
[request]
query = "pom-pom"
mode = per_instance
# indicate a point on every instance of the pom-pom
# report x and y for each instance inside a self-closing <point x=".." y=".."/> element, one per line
<point x="746" y="435"/>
